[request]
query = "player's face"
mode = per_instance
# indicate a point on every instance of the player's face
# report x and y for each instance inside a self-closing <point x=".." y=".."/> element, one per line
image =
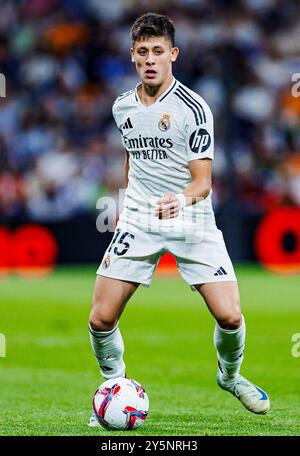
<point x="153" y="59"/>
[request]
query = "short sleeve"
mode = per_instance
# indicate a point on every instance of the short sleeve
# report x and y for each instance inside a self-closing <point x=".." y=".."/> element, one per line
<point x="113" y="110"/>
<point x="199" y="130"/>
<point x="115" y="116"/>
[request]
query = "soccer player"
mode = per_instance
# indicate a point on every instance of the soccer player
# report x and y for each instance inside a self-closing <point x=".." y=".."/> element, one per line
<point x="167" y="133"/>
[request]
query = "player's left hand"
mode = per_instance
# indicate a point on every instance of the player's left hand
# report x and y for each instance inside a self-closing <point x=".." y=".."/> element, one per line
<point x="167" y="207"/>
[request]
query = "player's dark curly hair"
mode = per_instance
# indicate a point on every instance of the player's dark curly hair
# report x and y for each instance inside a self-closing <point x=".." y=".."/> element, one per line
<point x="152" y="24"/>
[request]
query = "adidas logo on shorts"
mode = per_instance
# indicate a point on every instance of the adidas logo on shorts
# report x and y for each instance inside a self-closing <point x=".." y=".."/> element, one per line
<point x="220" y="271"/>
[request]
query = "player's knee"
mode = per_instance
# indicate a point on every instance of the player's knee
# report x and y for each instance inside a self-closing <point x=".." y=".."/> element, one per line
<point x="232" y="323"/>
<point x="231" y="320"/>
<point x="100" y="321"/>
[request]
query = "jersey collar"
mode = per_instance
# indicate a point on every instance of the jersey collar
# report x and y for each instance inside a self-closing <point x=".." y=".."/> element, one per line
<point x="163" y="95"/>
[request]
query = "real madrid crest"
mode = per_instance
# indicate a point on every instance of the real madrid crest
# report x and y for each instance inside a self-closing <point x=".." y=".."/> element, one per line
<point x="106" y="262"/>
<point x="164" y="123"/>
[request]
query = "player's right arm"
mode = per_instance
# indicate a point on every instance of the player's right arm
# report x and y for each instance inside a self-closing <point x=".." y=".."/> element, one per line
<point x="118" y="110"/>
<point x="126" y="168"/>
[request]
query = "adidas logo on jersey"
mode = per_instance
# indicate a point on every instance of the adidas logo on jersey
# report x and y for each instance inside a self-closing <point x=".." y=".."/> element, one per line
<point x="126" y="125"/>
<point x="220" y="271"/>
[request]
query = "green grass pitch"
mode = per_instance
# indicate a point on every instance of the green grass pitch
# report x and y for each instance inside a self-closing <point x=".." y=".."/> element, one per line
<point x="49" y="373"/>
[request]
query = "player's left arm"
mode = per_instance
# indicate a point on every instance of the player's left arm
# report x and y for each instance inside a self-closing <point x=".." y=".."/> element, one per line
<point x="199" y="188"/>
<point x="199" y="137"/>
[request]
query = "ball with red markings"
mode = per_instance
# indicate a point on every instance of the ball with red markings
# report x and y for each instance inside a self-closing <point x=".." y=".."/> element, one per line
<point x="121" y="403"/>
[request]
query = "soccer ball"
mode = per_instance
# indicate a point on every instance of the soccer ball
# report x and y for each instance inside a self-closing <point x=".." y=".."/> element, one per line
<point x="121" y="403"/>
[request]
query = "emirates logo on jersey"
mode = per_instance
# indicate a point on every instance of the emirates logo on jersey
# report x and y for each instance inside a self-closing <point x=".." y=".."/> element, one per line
<point x="164" y="123"/>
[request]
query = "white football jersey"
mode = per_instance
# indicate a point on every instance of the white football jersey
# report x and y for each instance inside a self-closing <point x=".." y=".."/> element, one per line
<point x="161" y="140"/>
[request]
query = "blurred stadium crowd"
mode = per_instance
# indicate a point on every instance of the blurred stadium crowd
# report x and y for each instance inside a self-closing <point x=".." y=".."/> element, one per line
<point x="65" y="61"/>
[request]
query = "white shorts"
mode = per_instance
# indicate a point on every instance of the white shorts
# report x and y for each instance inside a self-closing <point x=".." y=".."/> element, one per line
<point x="133" y="255"/>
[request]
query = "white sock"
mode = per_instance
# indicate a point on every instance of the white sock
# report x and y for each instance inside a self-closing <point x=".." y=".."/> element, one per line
<point x="108" y="347"/>
<point x="230" y="346"/>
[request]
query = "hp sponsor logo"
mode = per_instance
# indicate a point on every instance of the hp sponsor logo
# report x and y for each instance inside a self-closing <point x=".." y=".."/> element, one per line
<point x="200" y="141"/>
